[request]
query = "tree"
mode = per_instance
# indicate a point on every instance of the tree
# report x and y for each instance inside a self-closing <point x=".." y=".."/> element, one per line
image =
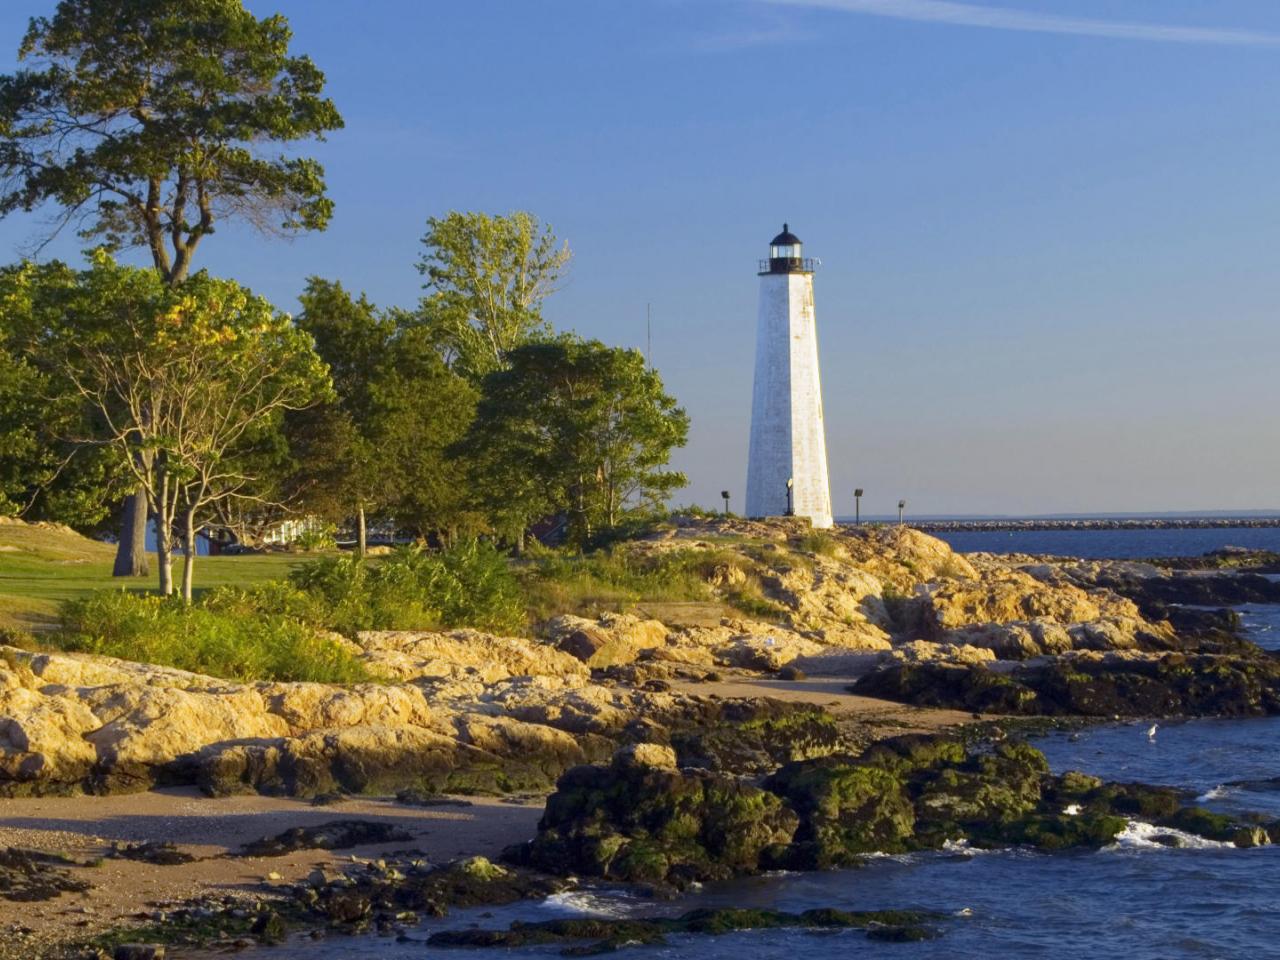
<point x="486" y="279"/>
<point x="425" y="410"/>
<point x="186" y="384"/>
<point x="42" y="475"/>
<point x="149" y="122"/>
<point x="577" y="427"/>
<point x="380" y="448"/>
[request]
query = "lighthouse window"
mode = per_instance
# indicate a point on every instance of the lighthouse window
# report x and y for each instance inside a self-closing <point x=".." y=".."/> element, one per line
<point x="786" y="252"/>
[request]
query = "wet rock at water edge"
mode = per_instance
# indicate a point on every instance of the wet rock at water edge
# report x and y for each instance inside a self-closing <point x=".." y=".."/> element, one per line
<point x="158" y="852"/>
<point x="412" y="797"/>
<point x="397" y="889"/>
<point x="338" y="835"/>
<point x="139" y="951"/>
<point x="1091" y="685"/>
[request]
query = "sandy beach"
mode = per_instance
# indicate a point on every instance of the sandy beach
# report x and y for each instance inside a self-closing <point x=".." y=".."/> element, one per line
<point x="212" y="830"/>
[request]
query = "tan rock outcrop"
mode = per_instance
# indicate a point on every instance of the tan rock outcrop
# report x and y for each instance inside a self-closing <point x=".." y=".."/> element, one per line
<point x="42" y="737"/>
<point x="150" y="726"/>
<point x="405" y="655"/>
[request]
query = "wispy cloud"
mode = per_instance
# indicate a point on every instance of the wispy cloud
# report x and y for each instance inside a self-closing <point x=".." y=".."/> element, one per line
<point x="1004" y="18"/>
<point x="731" y="40"/>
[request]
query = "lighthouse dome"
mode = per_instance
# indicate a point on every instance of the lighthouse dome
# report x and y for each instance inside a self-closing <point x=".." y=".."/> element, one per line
<point x="785" y="239"/>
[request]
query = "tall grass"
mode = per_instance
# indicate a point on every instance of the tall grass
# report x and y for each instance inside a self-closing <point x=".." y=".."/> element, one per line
<point x="237" y="645"/>
<point x="618" y="579"/>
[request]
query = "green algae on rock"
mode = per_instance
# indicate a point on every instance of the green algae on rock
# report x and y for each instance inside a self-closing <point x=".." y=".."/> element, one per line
<point x="641" y="819"/>
<point x="595" y="936"/>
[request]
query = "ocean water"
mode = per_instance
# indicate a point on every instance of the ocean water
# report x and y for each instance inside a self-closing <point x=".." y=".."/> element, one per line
<point x="1262" y="621"/>
<point x="1113" y="544"/>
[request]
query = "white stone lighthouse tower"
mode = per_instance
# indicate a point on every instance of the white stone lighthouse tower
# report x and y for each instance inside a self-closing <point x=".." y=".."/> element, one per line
<point x="787" y="464"/>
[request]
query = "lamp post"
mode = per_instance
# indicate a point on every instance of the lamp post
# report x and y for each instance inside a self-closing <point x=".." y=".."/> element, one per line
<point x="857" y="507"/>
<point x="725" y="494"/>
<point x="902" y="505"/>
<point x="791" y="510"/>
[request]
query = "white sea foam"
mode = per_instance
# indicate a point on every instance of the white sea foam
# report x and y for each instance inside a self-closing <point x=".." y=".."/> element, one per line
<point x="962" y="846"/>
<point x="592" y="903"/>
<point x="1141" y="836"/>
<point x="1217" y="793"/>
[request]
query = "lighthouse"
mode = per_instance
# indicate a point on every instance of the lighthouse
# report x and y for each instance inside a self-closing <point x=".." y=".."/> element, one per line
<point x="787" y="462"/>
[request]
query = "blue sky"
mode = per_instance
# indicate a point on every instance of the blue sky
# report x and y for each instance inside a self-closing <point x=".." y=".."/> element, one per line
<point x="1050" y="231"/>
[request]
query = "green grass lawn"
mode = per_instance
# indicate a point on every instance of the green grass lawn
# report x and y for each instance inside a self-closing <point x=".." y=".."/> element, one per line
<point x="40" y="567"/>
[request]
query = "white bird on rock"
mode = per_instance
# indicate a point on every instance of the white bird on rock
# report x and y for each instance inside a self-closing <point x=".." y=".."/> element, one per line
<point x="1151" y="734"/>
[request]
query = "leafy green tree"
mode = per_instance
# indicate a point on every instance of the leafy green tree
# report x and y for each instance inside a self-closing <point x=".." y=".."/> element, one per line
<point x="574" y="426"/>
<point x="382" y="446"/>
<point x="42" y="475"/>
<point x="425" y="410"/>
<point x="186" y="384"/>
<point x="486" y="279"/>
<point x="150" y="122"/>
<point x="342" y="472"/>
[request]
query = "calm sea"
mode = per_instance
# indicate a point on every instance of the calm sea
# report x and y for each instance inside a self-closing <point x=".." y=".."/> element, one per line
<point x="1114" y="544"/>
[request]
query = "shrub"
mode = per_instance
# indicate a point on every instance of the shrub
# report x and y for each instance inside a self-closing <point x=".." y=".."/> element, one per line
<point x="218" y="639"/>
<point x="473" y="585"/>
<point x="354" y="594"/>
<point x="316" y="539"/>
<point x="470" y="585"/>
<point x="821" y="543"/>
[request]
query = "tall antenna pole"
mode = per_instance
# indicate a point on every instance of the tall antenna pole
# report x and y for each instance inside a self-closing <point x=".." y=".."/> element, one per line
<point x="648" y="334"/>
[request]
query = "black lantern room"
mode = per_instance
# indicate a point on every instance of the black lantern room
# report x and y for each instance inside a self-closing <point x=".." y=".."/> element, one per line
<point x="786" y="254"/>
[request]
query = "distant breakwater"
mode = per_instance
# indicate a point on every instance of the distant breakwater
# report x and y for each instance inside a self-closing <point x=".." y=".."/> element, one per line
<point x="1135" y="523"/>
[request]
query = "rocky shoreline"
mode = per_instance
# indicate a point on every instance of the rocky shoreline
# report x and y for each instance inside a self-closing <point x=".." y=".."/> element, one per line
<point x="671" y="749"/>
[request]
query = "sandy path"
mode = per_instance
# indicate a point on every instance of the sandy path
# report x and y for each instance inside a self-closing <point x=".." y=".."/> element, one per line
<point x="84" y="827"/>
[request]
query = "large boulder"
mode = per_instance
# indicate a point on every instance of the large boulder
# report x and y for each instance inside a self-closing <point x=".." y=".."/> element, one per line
<point x="641" y="820"/>
<point x="42" y="741"/>
<point x="148" y="727"/>
<point x="607" y="641"/>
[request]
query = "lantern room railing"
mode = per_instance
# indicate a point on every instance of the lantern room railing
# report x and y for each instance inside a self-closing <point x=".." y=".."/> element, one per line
<point x="789" y="265"/>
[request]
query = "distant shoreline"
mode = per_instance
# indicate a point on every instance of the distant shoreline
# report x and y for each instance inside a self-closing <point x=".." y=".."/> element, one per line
<point x="1084" y="523"/>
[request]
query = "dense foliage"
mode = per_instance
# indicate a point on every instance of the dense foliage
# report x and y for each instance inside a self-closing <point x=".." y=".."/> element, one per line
<point x="576" y="428"/>
<point x="382" y="445"/>
<point x="470" y="585"/>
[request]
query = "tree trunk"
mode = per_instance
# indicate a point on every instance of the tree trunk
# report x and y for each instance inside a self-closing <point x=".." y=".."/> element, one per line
<point x="164" y="558"/>
<point x="189" y="554"/>
<point x="131" y="552"/>
<point x="362" y="533"/>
